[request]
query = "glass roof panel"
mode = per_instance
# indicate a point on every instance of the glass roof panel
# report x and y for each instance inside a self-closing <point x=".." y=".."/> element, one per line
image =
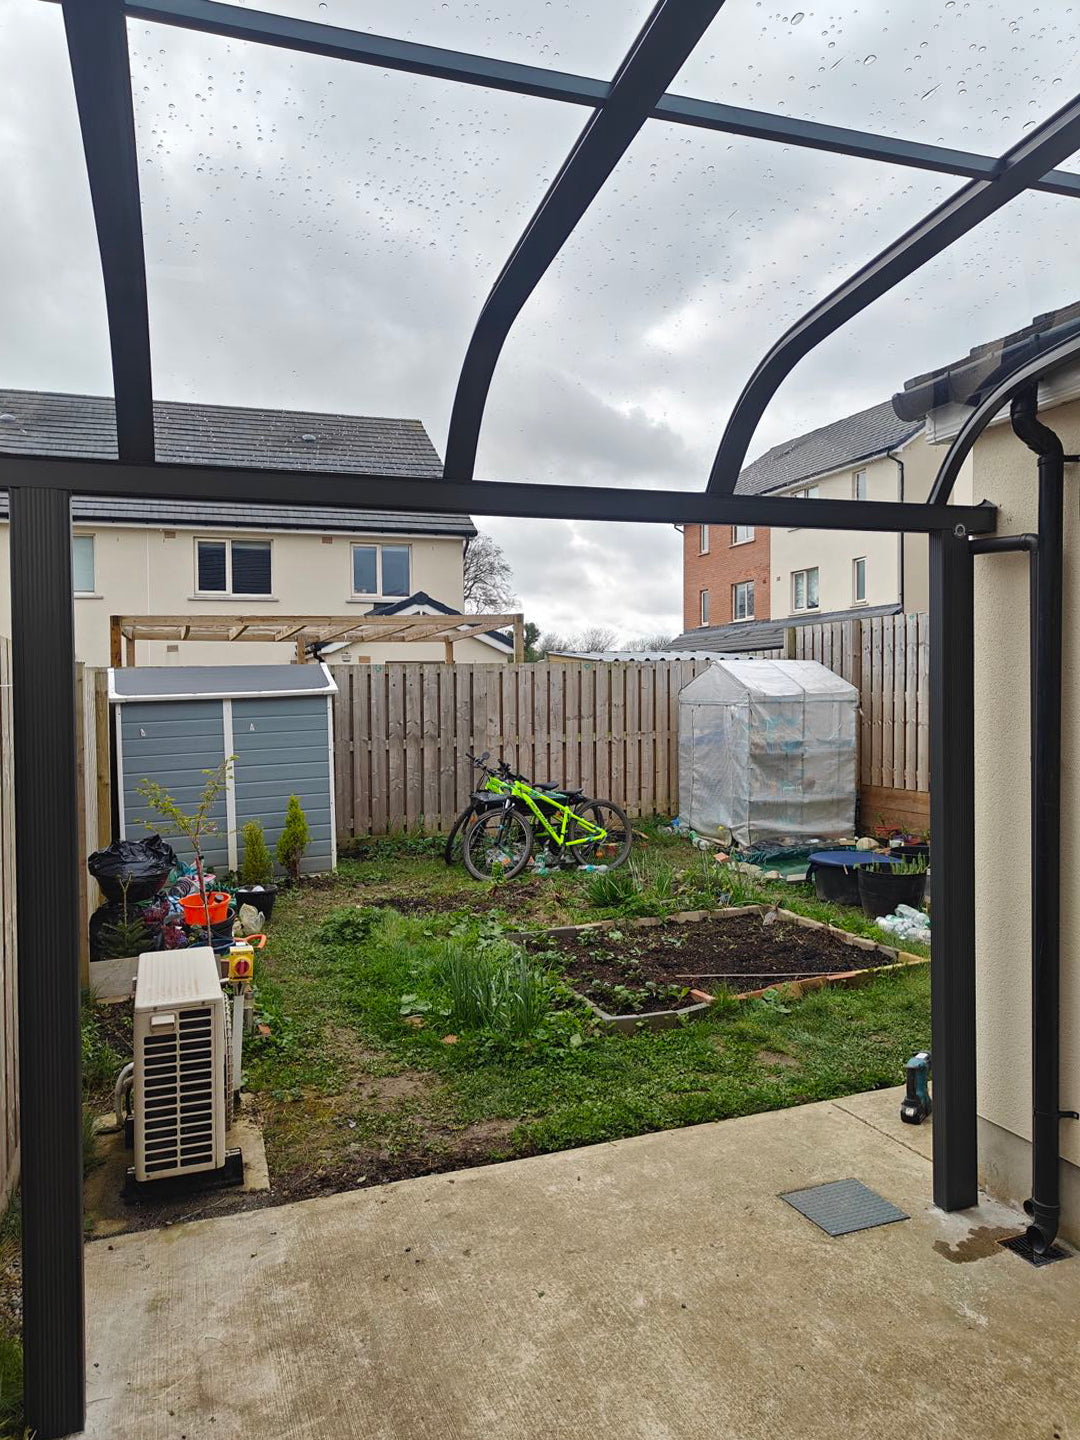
<point x="990" y="284"/>
<point x="960" y="73"/>
<point x="699" y="253"/>
<point x="52" y="302"/>
<point x="584" y="38"/>
<point x="320" y="235"/>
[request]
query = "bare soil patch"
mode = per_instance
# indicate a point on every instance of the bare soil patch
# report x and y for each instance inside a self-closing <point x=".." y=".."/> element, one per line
<point x="631" y="970"/>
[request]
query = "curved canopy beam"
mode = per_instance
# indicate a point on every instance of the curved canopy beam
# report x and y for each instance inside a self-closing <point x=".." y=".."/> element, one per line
<point x="1046" y="145"/>
<point x="656" y="57"/>
<point x="984" y="412"/>
<point x="101" y="71"/>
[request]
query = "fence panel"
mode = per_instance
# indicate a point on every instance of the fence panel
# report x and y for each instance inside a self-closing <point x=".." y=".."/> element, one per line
<point x="402" y="732"/>
<point x="886" y="658"/>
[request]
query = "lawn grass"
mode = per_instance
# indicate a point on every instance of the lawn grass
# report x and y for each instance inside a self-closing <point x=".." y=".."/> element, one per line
<point x="368" y="1072"/>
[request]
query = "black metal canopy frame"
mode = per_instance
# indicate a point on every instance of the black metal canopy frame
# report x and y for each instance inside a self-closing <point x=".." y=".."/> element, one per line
<point x="41" y="488"/>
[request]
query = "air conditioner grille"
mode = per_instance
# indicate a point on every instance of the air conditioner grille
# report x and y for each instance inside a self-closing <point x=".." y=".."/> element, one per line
<point x="179" y="1094"/>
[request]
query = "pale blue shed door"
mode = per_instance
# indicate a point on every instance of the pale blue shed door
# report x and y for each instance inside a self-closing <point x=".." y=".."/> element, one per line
<point x="173" y="742"/>
<point x="282" y="748"/>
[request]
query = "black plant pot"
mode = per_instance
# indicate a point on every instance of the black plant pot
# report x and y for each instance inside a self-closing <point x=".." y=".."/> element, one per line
<point x="880" y="891"/>
<point x="261" y="899"/>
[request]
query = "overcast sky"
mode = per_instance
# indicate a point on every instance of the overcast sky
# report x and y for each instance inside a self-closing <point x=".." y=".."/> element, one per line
<point x="322" y="235"/>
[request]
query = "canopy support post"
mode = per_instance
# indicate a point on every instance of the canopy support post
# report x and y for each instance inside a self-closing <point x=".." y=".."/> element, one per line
<point x="952" y="872"/>
<point x="47" y="898"/>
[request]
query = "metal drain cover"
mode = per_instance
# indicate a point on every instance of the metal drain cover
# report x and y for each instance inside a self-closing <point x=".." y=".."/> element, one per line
<point x="842" y="1206"/>
<point x="1021" y="1245"/>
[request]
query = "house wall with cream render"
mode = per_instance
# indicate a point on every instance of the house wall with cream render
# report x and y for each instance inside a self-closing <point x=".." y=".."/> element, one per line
<point x="1003" y="471"/>
<point x="143" y="570"/>
<point x="894" y="567"/>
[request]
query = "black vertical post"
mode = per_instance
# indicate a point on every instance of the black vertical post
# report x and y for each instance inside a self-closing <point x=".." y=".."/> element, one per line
<point x="1045" y="1202"/>
<point x="952" y="871"/>
<point x="47" y="894"/>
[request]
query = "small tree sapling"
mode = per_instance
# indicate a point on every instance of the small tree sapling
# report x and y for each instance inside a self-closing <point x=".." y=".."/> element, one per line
<point x="293" y="840"/>
<point x="193" y="827"/>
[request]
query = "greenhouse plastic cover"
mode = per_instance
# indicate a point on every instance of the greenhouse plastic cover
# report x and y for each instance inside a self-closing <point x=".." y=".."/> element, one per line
<point x="767" y="751"/>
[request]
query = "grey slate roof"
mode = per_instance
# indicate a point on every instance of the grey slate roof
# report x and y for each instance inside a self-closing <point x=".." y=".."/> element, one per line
<point x="964" y="381"/>
<point x="844" y="442"/>
<point x="34" y="422"/>
<point x="767" y="634"/>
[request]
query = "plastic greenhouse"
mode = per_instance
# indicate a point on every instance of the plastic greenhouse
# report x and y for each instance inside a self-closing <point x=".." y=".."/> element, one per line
<point x="767" y="751"/>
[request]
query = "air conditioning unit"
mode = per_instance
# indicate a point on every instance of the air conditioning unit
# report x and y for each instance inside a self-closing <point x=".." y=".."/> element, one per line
<point x="181" y="1064"/>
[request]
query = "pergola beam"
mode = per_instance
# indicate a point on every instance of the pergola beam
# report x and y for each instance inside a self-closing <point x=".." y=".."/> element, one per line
<point x="484" y="497"/>
<point x="101" y="70"/>
<point x="659" y="52"/>
<point x="436" y="62"/>
<point x="1052" y="141"/>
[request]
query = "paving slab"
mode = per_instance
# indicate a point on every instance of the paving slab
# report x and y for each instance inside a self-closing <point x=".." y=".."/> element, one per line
<point x="656" y="1288"/>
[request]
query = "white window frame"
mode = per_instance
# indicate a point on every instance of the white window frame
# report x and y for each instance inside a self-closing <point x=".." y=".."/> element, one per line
<point x="703" y="540"/>
<point x="748" y="587"/>
<point x="808" y="492"/>
<point x="856" y="486"/>
<point x="229" y="541"/>
<point x="856" y="598"/>
<point x="85" y="535"/>
<point x="805" y="573"/>
<point x="703" y="607"/>
<point x="743" y="538"/>
<point x="378" y="546"/>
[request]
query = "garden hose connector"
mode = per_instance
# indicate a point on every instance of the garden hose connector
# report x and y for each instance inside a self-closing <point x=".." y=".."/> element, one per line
<point x="916" y="1104"/>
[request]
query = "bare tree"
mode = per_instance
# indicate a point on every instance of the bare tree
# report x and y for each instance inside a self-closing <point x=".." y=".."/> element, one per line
<point x="595" y="637"/>
<point x="551" y="640"/>
<point x="487" y="580"/>
<point x="658" y="641"/>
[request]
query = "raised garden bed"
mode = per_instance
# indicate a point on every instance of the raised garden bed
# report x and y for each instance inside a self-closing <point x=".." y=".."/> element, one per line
<point x="660" y="972"/>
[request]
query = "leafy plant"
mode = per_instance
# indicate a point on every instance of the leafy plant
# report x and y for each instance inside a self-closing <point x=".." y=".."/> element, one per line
<point x="257" y="868"/>
<point x="130" y="935"/>
<point x="193" y="826"/>
<point x="491" y="987"/>
<point x="609" y="888"/>
<point x="912" y="865"/>
<point x="294" y="838"/>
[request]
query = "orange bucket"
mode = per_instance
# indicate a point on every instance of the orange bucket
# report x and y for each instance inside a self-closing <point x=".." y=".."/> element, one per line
<point x="195" y="911"/>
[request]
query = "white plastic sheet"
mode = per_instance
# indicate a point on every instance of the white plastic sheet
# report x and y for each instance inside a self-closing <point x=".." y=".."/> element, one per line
<point x="767" y="751"/>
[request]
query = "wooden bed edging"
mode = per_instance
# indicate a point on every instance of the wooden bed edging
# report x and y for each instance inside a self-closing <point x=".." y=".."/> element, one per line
<point x="703" y="1000"/>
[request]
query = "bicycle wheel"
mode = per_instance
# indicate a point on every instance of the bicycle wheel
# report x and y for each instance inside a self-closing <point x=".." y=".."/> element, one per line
<point x="614" y="848"/>
<point x="498" y="845"/>
<point x="456" y="837"/>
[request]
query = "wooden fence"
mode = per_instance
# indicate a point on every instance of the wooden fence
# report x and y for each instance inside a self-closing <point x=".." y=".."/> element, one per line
<point x="9" y="1026"/>
<point x="402" y="733"/>
<point x="887" y="659"/>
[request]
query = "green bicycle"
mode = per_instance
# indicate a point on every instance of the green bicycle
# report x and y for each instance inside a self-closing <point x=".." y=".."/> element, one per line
<point x="575" y="830"/>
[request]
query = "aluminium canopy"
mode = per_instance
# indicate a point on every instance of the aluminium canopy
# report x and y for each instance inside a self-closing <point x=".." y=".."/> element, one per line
<point x="767" y="751"/>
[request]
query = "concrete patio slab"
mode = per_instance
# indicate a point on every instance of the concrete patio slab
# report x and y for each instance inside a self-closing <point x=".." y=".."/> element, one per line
<point x="656" y="1287"/>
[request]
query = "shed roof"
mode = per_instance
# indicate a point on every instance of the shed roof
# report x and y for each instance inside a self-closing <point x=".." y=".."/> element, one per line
<point x="218" y="682"/>
<point x="767" y="634"/>
<point x="36" y="422"/>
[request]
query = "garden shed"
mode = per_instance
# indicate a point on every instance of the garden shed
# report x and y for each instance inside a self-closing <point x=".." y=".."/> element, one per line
<point x="172" y="723"/>
<point x="767" y="751"/>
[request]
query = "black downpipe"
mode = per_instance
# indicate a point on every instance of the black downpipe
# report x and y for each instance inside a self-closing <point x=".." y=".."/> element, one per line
<point x="1044" y="1207"/>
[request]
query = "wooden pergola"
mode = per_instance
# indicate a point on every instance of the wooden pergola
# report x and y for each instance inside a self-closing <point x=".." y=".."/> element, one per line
<point x="307" y="631"/>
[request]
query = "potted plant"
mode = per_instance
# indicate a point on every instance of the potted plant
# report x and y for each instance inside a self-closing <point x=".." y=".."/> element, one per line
<point x="194" y="828"/>
<point x="293" y="840"/>
<point x="883" y="886"/>
<point x="256" y="871"/>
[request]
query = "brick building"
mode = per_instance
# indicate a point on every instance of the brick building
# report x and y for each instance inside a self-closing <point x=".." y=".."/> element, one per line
<point x="725" y="574"/>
